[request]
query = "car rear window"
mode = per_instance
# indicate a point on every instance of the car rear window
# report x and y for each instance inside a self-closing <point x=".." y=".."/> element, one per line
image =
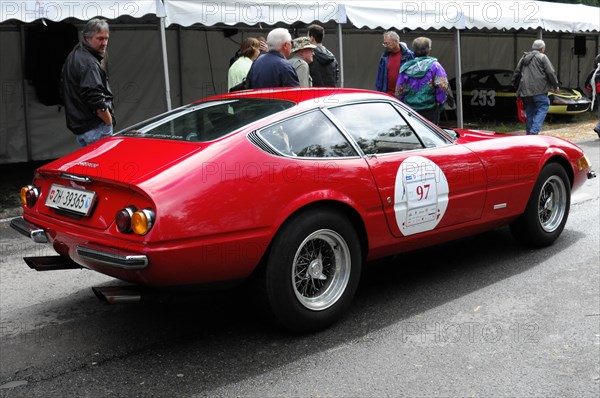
<point x="206" y="121"/>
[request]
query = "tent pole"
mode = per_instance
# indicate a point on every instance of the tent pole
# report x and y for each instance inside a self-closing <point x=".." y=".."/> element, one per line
<point x="516" y="50"/>
<point x="341" y="51"/>
<point x="25" y="99"/>
<point x="180" y="68"/>
<point x="558" y="69"/>
<point x="165" y="59"/>
<point x="458" y="94"/>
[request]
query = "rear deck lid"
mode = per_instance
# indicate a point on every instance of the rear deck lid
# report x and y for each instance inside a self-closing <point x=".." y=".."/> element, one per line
<point x="89" y="186"/>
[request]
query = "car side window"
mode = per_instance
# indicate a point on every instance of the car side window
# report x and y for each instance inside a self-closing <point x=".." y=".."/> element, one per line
<point x="377" y="127"/>
<point x="310" y="135"/>
<point x="429" y="136"/>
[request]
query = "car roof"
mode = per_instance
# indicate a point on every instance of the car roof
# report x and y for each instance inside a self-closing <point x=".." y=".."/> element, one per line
<point x="300" y="95"/>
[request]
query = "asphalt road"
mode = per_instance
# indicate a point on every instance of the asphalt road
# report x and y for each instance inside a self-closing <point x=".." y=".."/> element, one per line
<point x="477" y="317"/>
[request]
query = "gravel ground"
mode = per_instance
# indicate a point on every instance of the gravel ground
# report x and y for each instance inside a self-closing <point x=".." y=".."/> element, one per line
<point x="583" y="131"/>
<point x="14" y="176"/>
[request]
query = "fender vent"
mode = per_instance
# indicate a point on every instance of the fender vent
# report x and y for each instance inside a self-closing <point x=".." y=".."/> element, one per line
<point x="256" y="140"/>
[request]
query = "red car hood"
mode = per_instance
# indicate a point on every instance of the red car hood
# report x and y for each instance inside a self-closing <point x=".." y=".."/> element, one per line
<point x="124" y="159"/>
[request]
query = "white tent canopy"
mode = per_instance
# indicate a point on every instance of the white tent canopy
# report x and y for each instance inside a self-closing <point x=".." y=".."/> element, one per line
<point x="499" y="15"/>
<point x="559" y="17"/>
<point x="227" y="12"/>
<point x="56" y="11"/>
<point x="405" y="14"/>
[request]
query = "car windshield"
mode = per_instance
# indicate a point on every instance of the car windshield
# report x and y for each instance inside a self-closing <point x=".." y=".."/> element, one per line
<point x="206" y="121"/>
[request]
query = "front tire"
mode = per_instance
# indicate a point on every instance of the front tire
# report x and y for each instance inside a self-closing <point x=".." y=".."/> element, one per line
<point x="312" y="270"/>
<point x="547" y="210"/>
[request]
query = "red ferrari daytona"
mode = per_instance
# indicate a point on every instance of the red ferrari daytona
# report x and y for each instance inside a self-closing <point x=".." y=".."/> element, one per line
<point x="294" y="187"/>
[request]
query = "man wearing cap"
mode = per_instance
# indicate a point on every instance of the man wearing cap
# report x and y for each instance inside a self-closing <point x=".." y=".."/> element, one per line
<point x="273" y="69"/>
<point x="302" y="56"/>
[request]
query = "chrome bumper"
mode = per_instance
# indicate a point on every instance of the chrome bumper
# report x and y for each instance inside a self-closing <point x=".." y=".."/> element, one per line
<point x="87" y="252"/>
<point x="112" y="257"/>
<point x="27" y="229"/>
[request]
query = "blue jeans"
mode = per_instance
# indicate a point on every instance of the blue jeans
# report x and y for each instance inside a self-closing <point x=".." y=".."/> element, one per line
<point x="536" y="108"/>
<point x="94" y="135"/>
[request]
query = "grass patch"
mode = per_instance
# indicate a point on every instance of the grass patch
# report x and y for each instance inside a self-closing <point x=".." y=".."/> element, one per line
<point x="552" y="122"/>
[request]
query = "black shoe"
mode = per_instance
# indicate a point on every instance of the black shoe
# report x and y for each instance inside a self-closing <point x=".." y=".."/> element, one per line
<point x="597" y="131"/>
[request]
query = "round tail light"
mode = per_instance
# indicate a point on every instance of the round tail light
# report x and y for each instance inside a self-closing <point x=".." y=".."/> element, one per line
<point x="29" y="195"/>
<point x="142" y="221"/>
<point x="123" y="219"/>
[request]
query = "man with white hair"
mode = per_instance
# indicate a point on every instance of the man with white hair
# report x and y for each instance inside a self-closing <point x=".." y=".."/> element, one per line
<point x="537" y="77"/>
<point x="395" y="54"/>
<point x="273" y="69"/>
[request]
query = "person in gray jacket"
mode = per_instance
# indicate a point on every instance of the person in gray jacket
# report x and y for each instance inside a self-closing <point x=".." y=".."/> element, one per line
<point x="537" y="77"/>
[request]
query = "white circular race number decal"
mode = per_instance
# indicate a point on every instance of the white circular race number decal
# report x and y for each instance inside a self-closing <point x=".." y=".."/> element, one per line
<point x="421" y="195"/>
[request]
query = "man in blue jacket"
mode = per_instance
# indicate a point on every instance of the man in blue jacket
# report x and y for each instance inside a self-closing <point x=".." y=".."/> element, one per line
<point x="84" y="87"/>
<point x="273" y="69"/>
<point x="394" y="55"/>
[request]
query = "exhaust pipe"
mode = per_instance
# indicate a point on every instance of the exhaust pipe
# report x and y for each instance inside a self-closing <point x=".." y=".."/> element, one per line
<point x="50" y="263"/>
<point x="119" y="294"/>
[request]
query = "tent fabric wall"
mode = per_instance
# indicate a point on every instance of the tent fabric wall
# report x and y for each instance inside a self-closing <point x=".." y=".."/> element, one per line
<point x="362" y="49"/>
<point x="12" y="118"/>
<point x="30" y="130"/>
<point x="198" y="55"/>
<point x="135" y="73"/>
<point x="479" y="50"/>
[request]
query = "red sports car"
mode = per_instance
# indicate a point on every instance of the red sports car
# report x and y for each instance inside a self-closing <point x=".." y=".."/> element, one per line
<point x="295" y="187"/>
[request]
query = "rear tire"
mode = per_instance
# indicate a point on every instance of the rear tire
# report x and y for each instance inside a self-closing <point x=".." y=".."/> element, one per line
<point x="547" y="209"/>
<point x="312" y="270"/>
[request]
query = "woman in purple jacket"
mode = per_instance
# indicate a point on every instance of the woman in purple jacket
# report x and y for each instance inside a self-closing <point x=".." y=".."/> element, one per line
<point x="422" y="82"/>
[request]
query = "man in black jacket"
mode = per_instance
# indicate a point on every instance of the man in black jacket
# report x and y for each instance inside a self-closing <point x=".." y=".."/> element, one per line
<point x="324" y="69"/>
<point x="84" y="86"/>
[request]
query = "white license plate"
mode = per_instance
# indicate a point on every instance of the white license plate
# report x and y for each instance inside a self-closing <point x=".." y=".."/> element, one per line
<point x="76" y="200"/>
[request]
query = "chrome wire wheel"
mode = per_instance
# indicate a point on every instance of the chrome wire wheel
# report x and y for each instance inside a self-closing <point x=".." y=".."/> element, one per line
<point x="321" y="269"/>
<point x="552" y="203"/>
